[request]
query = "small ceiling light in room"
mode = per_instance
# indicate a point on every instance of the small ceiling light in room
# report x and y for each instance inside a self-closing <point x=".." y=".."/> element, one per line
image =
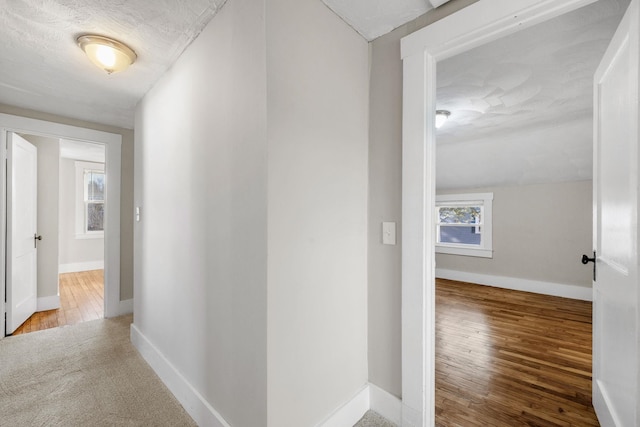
<point x="441" y="117"/>
<point x="108" y="54"/>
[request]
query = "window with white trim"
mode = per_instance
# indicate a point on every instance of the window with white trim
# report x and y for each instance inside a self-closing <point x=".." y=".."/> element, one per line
<point x="90" y="191"/>
<point x="464" y="224"/>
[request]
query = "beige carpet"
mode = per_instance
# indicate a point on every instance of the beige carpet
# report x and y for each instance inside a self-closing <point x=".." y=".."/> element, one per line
<point x="372" y="419"/>
<point x="82" y="375"/>
<point x="89" y="374"/>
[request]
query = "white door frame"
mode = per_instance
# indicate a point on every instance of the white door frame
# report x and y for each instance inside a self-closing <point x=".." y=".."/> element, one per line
<point x="113" y="147"/>
<point x="472" y="26"/>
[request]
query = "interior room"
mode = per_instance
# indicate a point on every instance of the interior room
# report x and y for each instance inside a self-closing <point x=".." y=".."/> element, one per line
<point x="519" y="119"/>
<point x="269" y="187"/>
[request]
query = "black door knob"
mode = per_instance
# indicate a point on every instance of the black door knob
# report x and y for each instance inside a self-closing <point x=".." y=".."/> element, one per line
<point x="586" y="259"/>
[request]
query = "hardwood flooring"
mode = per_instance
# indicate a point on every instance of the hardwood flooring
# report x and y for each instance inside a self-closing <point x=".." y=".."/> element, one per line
<point x="81" y="299"/>
<point x="509" y="358"/>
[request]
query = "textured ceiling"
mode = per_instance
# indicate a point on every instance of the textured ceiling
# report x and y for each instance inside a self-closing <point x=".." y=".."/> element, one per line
<point x="42" y="68"/>
<point x="373" y="18"/>
<point x="521" y="106"/>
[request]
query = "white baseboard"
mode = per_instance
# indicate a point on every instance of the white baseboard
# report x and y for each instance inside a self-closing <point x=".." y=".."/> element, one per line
<point x="546" y="288"/>
<point x="81" y="266"/>
<point x="385" y="404"/>
<point x="350" y="412"/>
<point x="368" y="397"/>
<point x="48" y="303"/>
<point x="192" y="401"/>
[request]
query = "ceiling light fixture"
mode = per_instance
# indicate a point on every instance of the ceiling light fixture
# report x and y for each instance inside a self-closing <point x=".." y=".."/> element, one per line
<point x="441" y="117"/>
<point x="108" y="54"/>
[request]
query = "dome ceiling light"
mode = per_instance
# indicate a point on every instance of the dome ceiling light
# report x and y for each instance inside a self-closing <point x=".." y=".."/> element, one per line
<point x="108" y="54"/>
<point x="441" y="117"/>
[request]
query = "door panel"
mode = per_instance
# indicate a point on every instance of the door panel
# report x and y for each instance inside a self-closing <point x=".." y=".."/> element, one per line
<point x="21" y="228"/>
<point x="615" y="314"/>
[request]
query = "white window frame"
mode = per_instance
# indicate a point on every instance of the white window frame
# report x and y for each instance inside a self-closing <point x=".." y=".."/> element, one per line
<point x="485" y="202"/>
<point x="81" y="205"/>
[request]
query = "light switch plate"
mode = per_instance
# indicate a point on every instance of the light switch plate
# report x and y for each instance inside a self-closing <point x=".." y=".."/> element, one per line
<point x="389" y="233"/>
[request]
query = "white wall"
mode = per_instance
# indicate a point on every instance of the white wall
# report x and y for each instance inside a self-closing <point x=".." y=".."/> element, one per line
<point x="317" y="184"/>
<point x="75" y="254"/>
<point x="539" y="233"/>
<point x="200" y="247"/>
<point x="251" y="175"/>
<point x="48" y="165"/>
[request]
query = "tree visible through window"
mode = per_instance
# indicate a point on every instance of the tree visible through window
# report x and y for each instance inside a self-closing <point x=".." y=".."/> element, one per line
<point x="94" y="182"/>
<point x="461" y="224"/>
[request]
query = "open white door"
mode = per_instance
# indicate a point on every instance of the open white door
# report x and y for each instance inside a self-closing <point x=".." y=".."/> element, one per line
<point x="615" y="183"/>
<point x="21" y="290"/>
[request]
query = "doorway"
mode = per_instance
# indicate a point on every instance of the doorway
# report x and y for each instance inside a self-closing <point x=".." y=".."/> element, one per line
<point x="520" y="130"/>
<point x="112" y="148"/>
<point x="471" y="27"/>
<point x="71" y="181"/>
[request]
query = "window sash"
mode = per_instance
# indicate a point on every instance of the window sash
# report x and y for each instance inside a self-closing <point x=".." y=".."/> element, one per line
<point x="461" y="244"/>
<point x="460" y="205"/>
<point x="86" y="216"/>
<point x="484" y="248"/>
<point x="87" y="179"/>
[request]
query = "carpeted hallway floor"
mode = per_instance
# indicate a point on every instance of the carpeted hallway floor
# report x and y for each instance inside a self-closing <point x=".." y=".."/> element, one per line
<point x="88" y="374"/>
<point x="82" y="375"/>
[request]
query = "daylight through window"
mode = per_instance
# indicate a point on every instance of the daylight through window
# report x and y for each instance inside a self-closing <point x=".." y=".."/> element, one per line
<point x="464" y="225"/>
<point x="94" y="200"/>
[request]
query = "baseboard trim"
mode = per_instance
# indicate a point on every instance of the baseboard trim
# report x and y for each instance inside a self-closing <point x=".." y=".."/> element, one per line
<point x="192" y="401"/>
<point x="48" y="303"/>
<point x="385" y="404"/>
<point x="538" y="287"/>
<point x="75" y="267"/>
<point x="350" y="412"/>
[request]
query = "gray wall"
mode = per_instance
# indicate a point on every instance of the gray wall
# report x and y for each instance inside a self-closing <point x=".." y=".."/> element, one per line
<point x="201" y="172"/>
<point x="48" y="164"/>
<point x="318" y="70"/>
<point x="385" y="189"/>
<point x="73" y="250"/>
<point x="539" y="233"/>
<point x="126" y="194"/>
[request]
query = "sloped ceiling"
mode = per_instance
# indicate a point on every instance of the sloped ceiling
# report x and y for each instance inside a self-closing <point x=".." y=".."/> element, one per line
<point x="521" y="107"/>
<point x="373" y="18"/>
<point x="41" y="67"/>
<point x="538" y="79"/>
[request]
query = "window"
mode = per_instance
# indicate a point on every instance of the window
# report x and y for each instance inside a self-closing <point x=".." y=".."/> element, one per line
<point x="463" y="224"/>
<point x="90" y="185"/>
<point x="93" y="201"/>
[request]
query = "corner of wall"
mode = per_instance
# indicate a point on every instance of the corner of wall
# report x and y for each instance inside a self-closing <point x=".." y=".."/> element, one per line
<point x="192" y="401"/>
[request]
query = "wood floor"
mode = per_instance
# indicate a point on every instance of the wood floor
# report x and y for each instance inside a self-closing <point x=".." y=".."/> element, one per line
<point x="81" y="299"/>
<point x="509" y="358"/>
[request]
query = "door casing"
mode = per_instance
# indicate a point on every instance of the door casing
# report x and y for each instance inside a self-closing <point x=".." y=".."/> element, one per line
<point x="113" y="149"/>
